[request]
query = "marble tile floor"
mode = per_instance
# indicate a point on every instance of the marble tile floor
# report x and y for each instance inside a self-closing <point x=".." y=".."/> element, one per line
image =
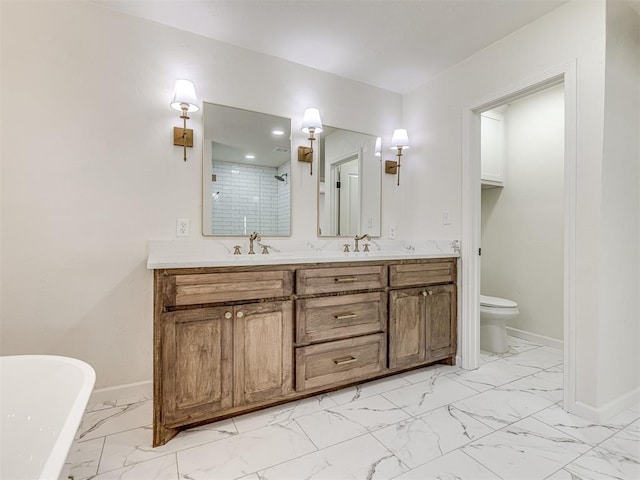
<point x="501" y="421"/>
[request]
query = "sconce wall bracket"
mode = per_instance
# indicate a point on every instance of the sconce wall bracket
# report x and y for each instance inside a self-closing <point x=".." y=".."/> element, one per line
<point x="179" y="137"/>
<point x="305" y="154"/>
<point x="390" y="167"/>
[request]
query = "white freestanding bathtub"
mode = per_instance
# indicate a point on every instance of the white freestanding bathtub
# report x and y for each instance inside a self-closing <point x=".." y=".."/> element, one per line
<point x="42" y="400"/>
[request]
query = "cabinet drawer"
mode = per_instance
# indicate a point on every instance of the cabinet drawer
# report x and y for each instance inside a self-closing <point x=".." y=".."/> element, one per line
<point x="442" y="271"/>
<point x="204" y="288"/>
<point x="331" y="280"/>
<point x="330" y="318"/>
<point x="340" y="361"/>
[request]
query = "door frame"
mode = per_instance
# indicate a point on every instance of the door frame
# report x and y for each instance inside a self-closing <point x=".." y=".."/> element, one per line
<point x="334" y="196"/>
<point x="469" y="338"/>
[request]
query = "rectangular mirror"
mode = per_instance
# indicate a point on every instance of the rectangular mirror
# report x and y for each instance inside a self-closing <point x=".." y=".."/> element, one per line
<point x="349" y="184"/>
<point x="246" y="172"/>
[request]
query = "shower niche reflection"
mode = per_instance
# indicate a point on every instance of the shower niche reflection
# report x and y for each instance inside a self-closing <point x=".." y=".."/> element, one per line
<point x="247" y="167"/>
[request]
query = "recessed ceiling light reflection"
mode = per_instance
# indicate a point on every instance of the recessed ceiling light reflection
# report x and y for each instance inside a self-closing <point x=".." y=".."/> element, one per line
<point x="278" y="132"/>
<point x="250" y="157"/>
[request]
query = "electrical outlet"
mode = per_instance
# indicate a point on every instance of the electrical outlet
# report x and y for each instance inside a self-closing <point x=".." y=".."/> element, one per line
<point x="446" y="217"/>
<point x="392" y="231"/>
<point x="182" y="227"/>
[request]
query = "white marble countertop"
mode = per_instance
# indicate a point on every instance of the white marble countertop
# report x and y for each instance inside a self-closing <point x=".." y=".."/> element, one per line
<point x="219" y="252"/>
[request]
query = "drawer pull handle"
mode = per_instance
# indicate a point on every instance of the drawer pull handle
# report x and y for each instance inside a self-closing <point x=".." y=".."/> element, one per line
<point x="346" y="316"/>
<point x="346" y="279"/>
<point x="345" y="360"/>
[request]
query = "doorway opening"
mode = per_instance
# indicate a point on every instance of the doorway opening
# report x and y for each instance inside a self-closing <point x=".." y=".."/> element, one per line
<point x="344" y="195"/>
<point x="521" y="224"/>
<point x="469" y="338"/>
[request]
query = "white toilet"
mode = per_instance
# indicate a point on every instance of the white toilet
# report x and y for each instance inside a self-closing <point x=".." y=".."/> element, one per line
<point x="494" y="312"/>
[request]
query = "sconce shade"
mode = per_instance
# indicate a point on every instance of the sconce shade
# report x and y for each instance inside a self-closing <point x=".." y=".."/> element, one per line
<point x="400" y="138"/>
<point x="184" y="93"/>
<point x="311" y="120"/>
<point x="378" y="150"/>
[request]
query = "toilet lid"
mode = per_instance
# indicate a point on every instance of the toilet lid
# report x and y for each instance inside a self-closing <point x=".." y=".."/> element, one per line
<point x="487" y="301"/>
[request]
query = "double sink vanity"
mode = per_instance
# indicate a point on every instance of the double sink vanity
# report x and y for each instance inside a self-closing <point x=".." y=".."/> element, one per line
<point x="236" y="333"/>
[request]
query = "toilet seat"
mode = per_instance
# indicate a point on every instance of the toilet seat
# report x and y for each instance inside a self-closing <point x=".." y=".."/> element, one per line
<point x="496" y="302"/>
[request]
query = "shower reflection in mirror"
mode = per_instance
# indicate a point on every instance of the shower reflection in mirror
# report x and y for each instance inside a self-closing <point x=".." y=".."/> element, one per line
<point x="246" y="170"/>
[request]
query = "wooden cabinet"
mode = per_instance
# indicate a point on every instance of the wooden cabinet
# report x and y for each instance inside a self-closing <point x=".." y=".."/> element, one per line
<point x="262" y="352"/>
<point x="340" y="279"/>
<point x="228" y="340"/>
<point x="207" y="288"/>
<point x="341" y="324"/>
<point x="197" y="364"/>
<point x="422" y="320"/>
<point x="217" y="358"/>
<point x="407" y="340"/>
<point x="440" y="322"/>
<point x="333" y="363"/>
<point x="334" y="317"/>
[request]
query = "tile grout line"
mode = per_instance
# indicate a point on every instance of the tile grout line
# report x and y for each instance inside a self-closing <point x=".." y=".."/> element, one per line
<point x="392" y="453"/>
<point x="598" y="445"/>
<point x="480" y="463"/>
<point x="306" y="434"/>
<point x="104" y="442"/>
<point x="543" y="423"/>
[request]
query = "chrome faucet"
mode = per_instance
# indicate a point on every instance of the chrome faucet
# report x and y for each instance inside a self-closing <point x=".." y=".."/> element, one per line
<point x="357" y="238"/>
<point x="252" y="237"/>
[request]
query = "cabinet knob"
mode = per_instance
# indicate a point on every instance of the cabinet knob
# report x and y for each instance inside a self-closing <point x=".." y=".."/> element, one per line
<point x="227" y="315"/>
<point x="423" y="293"/>
<point x="240" y="314"/>
<point x="430" y="292"/>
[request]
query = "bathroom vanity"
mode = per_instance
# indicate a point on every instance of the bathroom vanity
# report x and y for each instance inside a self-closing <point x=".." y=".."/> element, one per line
<point x="238" y="337"/>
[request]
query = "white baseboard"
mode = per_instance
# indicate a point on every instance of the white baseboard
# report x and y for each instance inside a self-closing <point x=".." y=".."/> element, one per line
<point x="608" y="410"/>
<point x="535" y="338"/>
<point x="121" y="393"/>
<point x="623" y="402"/>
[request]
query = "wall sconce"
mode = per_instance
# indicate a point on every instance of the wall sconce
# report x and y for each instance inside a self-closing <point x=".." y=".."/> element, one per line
<point x="311" y="124"/>
<point x="184" y="100"/>
<point x="378" y="149"/>
<point x="400" y="141"/>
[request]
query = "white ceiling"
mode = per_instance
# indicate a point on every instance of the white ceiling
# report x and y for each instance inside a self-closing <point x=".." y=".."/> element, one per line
<point x="236" y="133"/>
<point x="392" y="44"/>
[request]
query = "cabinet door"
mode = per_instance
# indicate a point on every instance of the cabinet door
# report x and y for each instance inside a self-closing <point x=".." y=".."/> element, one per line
<point x="406" y="327"/>
<point x="441" y="322"/>
<point x="196" y="363"/>
<point x="263" y="351"/>
<point x="492" y="148"/>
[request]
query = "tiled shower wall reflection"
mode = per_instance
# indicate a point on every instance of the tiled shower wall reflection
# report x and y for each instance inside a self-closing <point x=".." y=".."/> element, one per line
<point x="248" y="198"/>
<point x="284" y="200"/>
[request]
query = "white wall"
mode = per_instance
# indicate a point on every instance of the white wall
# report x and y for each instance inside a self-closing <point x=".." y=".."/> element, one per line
<point x="90" y="173"/>
<point x="433" y="115"/>
<point x="619" y="328"/>
<point x="522" y="223"/>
